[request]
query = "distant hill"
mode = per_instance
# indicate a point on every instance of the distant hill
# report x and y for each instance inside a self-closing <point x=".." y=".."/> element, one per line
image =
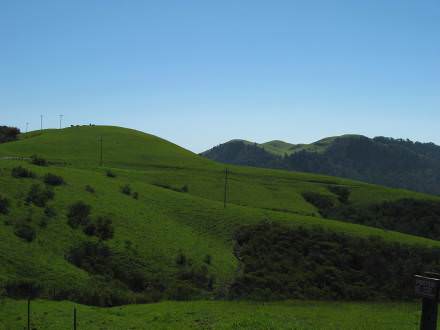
<point x="381" y="160"/>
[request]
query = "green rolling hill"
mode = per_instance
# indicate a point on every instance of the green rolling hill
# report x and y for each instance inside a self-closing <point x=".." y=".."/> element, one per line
<point x="172" y="238"/>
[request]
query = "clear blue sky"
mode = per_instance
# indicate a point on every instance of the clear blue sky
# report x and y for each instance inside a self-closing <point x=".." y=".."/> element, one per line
<point x="202" y="72"/>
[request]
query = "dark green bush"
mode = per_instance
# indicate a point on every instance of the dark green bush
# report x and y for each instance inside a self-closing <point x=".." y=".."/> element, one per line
<point x="21" y="172"/>
<point x="90" y="189"/>
<point x="22" y="288"/>
<point x="4" y="205"/>
<point x="342" y="192"/>
<point x="39" y="195"/>
<point x="39" y="161"/>
<point x="25" y="231"/>
<point x="185" y="188"/>
<point x="136" y="195"/>
<point x="181" y="259"/>
<point x="208" y="259"/>
<point x="53" y="180"/>
<point x="110" y="174"/>
<point x="126" y="189"/>
<point x="280" y="262"/>
<point x="102" y="228"/>
<point x="49" y="212"/>
<point x="78" y="214"/>
<point x="320" y="201"/>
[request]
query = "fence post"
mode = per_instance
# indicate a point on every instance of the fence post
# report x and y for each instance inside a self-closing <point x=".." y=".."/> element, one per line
<point x="74" y="317"/>
<point x="29" y="314"/>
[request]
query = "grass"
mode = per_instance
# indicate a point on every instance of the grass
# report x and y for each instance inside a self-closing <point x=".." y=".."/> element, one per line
<point x="161" y="222"/>
<point x="304" y="315"/>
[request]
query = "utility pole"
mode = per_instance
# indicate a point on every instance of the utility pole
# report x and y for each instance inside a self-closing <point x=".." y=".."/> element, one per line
<point x="41" y="122"/>
<point x="61" y="120"/>
<point x="226" y="188"/>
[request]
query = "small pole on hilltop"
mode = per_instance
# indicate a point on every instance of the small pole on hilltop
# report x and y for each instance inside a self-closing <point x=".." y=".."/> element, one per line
<point x="41" y="122"/>
<point x="61" y="120"/>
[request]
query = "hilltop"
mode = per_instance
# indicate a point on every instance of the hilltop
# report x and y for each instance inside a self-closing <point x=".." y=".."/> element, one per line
<point x="150" y="224"/>
<point x="391" y="162"/>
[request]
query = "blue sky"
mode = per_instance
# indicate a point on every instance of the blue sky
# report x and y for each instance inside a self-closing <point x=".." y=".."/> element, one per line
<point x="202" y="72"/>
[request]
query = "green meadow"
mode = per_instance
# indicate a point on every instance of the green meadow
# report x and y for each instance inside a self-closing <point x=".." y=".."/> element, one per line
<point x="179" y="209"/>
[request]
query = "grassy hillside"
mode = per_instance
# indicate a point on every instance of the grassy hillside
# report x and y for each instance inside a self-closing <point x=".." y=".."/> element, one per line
<point x="178" y="210"/>
<point x="215" y="315"/>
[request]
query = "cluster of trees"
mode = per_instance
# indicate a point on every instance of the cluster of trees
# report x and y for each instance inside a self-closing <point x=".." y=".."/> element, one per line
<point x="410" y="216"/>
<point x="8" y="134"/>
<point x="279" y="262"/>
<point x="391" y="162"/>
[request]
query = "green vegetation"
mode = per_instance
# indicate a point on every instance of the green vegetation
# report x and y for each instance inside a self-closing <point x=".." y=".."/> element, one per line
<point x="300" y="315"/>
<point x="154" y="244"/>
<point x="391" y="162"/>
<point x="278" y="262"/>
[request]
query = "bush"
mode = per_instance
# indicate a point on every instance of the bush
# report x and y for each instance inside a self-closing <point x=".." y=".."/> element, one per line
<point x="53" y="180"/>
<point x="343" y="193"/>
<point x="101" y="228"/>
<point x="78" y="214"/>
<point x="4" y="205"/>
<point x="321" y="202"/>
<point x="49" y="212"/>
<point x="136" y="195"/>
<point x="22" y="288"/>
<point x="39" y="195"/>
<point x="8" y="134"/>
<point x="181" y="259"/>
<point x="90" y="189"/>
<point x="110" y="174"/>
<point x="126" y="189"/>
<point x="25" y="232"/>
<point x="39" y="161"/>
<point x="208" y="259"/>
<point x="21" y="172"/>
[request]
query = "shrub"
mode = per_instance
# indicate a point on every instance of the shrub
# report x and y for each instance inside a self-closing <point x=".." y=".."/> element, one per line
<point x="136" y="195"/>
<point x="53" y="180"/>
<point x="39" y="161"/>
<point x="207" y="259"/>
<point x="101" y="228"/>
<point x="8" y="134"/>
<point x="110" y="174"/>
<point x="78" y="214"/>
<point x="90" y="189"/>
<point x="22" y="288"/>
<point x="184" y="188"/>
<point x="343" y="193"/>
<point x="49" y="212"/>
<point x="39" y="195"/>
<point x="321" y="202"/>
<point x="126" y="189"/>
<point x="21" y="172"/>
<point x="4" y="205"/>
<point x="25" y="231"/>
<point x="181" y="259"/>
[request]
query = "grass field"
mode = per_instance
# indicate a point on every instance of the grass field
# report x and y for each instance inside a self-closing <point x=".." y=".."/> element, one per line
<point x="302" y="315"/>
<point x="165" y="221"/>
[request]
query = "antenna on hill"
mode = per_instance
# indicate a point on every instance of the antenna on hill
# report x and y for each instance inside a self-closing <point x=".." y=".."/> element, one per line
<point x="61" y="120"/>
<point x="41" y="122"/>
